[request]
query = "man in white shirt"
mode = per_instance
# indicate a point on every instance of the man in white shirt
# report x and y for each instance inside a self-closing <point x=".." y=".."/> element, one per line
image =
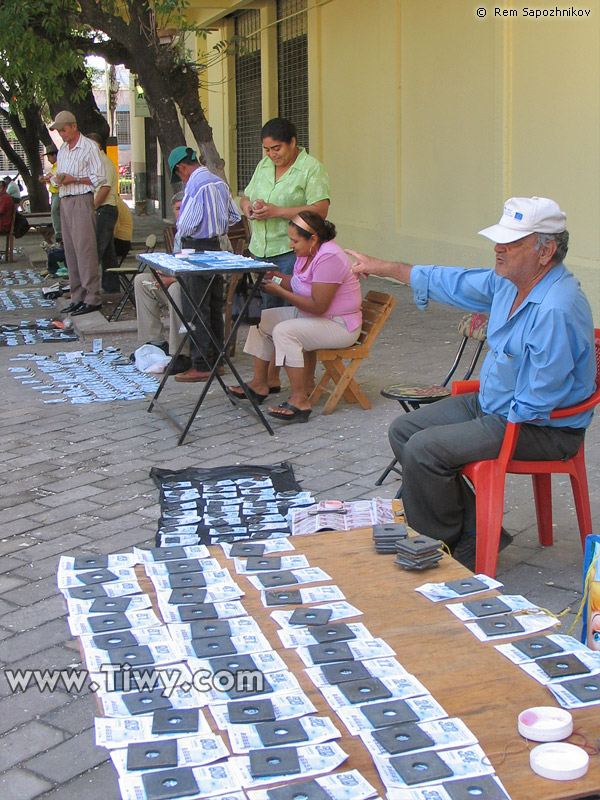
<point x="78" y="174"/>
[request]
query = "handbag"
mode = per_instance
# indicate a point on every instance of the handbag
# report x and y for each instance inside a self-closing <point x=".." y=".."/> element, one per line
<point x="21" y="225"/>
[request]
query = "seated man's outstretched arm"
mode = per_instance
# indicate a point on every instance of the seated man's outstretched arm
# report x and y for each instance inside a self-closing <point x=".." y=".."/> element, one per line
<point x="367" y="265"/>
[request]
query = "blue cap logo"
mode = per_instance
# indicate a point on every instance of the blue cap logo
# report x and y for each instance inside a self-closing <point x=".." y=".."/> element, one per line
<point x="518" y="215"/>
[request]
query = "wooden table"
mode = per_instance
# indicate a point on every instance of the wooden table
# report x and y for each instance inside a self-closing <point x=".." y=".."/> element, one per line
<point x="469" y="678"/>
<point x="41" y="220"/>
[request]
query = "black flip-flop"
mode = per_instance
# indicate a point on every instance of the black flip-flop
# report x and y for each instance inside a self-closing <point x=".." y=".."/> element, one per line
<point x="274" y="389"/>
<point x="258" y="398"/>
<point x="298" y="415"/>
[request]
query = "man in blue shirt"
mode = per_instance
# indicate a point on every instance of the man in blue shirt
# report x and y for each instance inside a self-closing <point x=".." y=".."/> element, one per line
<point x="541" y="357"/>
<point x="207" y="211"/>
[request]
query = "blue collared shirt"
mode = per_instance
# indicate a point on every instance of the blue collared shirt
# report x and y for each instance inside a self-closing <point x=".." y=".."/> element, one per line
<point x="207" y="209"/>
<point x="540" y="359"/>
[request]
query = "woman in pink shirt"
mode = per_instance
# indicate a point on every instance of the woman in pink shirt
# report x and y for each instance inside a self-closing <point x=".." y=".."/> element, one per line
<point x="324" y="313"/>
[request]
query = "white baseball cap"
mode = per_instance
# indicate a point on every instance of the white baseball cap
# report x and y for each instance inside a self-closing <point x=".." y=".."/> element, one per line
<point x="525" y="215"/>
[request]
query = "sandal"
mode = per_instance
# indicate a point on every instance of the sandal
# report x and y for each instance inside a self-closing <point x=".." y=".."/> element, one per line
<point x="274" y="389"/>
<point x="297" y="415"/>
<point x="238" y="393"/>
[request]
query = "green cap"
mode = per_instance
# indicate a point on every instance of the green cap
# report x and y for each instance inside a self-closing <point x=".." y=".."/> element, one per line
<point x="178" y="155"/>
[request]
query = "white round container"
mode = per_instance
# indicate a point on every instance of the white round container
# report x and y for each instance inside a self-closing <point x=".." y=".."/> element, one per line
<point x="545" y="724"/>
<point x="559" y="761"/>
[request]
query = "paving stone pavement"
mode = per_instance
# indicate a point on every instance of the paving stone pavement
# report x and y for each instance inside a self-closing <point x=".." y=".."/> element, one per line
<point x="75" y="477"/>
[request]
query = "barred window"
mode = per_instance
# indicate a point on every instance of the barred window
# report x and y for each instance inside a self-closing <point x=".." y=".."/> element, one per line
<point x="123" y="132"/>
<point x="292" y="64"/>
<point x="248" y="96"/>
<point x="5" y="164"/>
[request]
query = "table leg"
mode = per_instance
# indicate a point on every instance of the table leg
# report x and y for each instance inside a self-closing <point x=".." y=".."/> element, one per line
<point x="219" y="347"/>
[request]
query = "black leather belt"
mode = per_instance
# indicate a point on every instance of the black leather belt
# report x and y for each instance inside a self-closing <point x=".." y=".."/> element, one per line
<point x="201" y="244"/>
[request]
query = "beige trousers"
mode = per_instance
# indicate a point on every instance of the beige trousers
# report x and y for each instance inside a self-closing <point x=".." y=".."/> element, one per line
<point x="151" y="304"/>
<point x="287" y="334"/>
<point x="78" y="223"/>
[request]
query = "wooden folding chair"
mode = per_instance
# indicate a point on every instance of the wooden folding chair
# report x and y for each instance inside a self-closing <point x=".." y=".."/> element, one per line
<point x="239" y="236"/>
<point x="376" y="308"/>
<point x="126" y="275"/>
<point x="10" y="238"/>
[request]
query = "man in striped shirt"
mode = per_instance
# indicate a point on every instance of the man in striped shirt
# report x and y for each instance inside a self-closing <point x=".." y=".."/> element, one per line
<point x="207" y="211"/>
<point x="79" y="172"/>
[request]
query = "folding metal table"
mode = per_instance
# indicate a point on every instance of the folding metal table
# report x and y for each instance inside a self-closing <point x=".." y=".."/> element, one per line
<point x="207" y="264"/>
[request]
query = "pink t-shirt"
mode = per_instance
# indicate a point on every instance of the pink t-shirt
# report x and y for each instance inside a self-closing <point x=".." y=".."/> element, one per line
<point x="331" y="265"/>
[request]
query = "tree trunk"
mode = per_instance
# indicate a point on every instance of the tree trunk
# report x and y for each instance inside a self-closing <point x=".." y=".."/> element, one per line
<point x="164" y="79"/>
<point x="28" y="137"/>
<point x="185" y="87"/>
<point x="89" y="119"/>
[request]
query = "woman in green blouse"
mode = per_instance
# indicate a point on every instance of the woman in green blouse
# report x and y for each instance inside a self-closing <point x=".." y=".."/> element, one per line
<point x="287" y="180"/>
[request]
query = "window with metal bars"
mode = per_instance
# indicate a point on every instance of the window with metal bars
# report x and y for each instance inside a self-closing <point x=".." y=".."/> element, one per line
<point x="123" y="132"/>
<point x="248" y="96"/>
<point x="292" y="64"/>
<point x="5" y="164"/>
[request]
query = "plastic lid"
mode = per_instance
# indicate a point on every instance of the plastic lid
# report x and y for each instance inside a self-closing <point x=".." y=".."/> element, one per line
<point x="545" y="724"/>
<point x="559" y="761"/>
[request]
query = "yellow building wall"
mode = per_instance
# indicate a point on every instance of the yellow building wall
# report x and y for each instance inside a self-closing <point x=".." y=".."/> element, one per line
<point x="428" y="116"/>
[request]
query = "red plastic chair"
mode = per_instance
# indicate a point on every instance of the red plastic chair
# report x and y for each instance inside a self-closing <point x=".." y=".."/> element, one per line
<point x="489" y="477"/>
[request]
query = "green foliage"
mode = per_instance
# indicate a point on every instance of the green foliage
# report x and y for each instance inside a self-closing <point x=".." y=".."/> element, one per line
<point x="36" y="50"/>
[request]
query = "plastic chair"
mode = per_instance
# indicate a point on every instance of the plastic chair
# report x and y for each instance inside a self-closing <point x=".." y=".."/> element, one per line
<point x="489" y="477"/>
<point x="126" y="277"/>
<point x="472" y="327"/>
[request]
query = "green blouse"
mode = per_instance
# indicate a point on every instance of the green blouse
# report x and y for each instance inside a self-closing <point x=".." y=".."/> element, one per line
<point x="305" y="182"/>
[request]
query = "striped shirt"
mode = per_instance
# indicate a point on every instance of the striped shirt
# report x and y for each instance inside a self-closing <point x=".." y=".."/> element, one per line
<point x="81" y="161"/>
<point x="207" y="209"/>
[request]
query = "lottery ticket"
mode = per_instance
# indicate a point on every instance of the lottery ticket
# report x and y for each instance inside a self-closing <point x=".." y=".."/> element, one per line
<point x="314" y="760"/>
<point x="146" y="618"/>
<point x="287" y="562"/>
<point x="271" y="546"/>
<point x="463" y="762"/>
<point x="266" y="661"/>
<point x="192" y="751"/>
<point x="341" y="786"/>
<point x="376" y="667"/>
<point x="566" y="644"/>
<point x="165" y="567"/>
<point x="297" y="577"/>
<point x="444" y="733"/>
<point x="317" y="730"/>
<point x="156" y="655"/>
<point x="515" y="602"/>
<point x="302" y="637"/>
<point x="285" y="706"/>
<point x="68" y="563"/>
<point x="118" y="732"/>
<point x="425" y="708"/>
<point x="399" y="687"/>
<point x="225" y="610"/>
<point x="114" y="705"/>
<point x="215" y="780"/>
<point x="196" y="551"/>
<point x="246" y="643"/>
<point x="76" y="607"/>
<point x="532" y="623"/>
<point x="339" y="610"/>
<point x="441" y="591"/>
<point x="493" y="788"/>
<point x="314" y="594"/>
<point x="361" y="650"/>
<point x="210" y="578"/>
<point x="67" y="579"/>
